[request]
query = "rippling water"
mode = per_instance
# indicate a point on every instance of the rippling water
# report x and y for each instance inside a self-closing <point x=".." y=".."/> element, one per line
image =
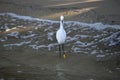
<point x="21" y="37"/>
<point x="89" y="38"/>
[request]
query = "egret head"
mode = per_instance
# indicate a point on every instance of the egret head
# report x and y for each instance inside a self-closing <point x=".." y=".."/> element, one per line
<point x="62" y="18"/>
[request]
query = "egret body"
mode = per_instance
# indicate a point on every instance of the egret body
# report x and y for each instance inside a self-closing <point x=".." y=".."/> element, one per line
<point x="61" y="37"/>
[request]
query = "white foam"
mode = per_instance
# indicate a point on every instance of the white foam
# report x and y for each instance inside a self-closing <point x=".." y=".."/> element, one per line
<point x="97" y="26"/>
<point x="112" y="40"/>
<point x="100" y="56"/>
<point x="50" y="35"/>
<point x="80" y="43"/>
<point x="28" y="36"/>
<point x="37" y="47"/>
<point x="49" y="46"/>
<point x="19" y="71"/>
<point x="94" y="52"/>
<point x="3" y="39"/>
<point x="14" y="34"/>
<point x="17" y="44"/>
<point x="76" y="49"/>
<point x="84" y="36"/>
<point x="26" y="17"/>
<point x="70" y="39"/>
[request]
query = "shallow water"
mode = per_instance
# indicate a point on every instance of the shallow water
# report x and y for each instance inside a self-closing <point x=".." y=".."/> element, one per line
<point x="29" y="50"/>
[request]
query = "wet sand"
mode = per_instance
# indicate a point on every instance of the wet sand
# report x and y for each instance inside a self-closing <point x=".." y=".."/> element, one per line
<point x="106" y="11"/>
<point x="37" y="66"/>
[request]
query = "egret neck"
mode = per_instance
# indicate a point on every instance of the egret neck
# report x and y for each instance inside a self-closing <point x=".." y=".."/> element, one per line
<point x="61" y="24"/>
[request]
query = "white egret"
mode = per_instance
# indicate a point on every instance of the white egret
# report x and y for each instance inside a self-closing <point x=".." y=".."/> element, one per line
<point x="61" y="37"/>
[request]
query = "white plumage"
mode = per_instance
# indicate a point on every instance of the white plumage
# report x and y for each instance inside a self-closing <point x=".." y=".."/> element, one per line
<point x="61" y="34"/>
<point x="61" y="37"/>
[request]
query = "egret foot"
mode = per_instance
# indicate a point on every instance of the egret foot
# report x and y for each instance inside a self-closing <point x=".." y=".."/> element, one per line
<point x="64" y="56"/>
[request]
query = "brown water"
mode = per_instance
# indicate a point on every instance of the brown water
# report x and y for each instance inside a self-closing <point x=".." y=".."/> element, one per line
<point x="29" y="51"/>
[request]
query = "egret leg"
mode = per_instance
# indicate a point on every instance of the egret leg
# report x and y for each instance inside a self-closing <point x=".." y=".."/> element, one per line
<point x="64" y="55"/>
<point x="59" y="50"/>
<point x="63" y="48"/>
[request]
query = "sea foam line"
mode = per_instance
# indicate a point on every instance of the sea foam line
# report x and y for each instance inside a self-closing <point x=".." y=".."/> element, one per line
<point x="97" y="26"/>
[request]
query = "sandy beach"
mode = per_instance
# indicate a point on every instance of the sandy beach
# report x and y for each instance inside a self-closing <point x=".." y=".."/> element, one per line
<point x="106" y="11"/>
